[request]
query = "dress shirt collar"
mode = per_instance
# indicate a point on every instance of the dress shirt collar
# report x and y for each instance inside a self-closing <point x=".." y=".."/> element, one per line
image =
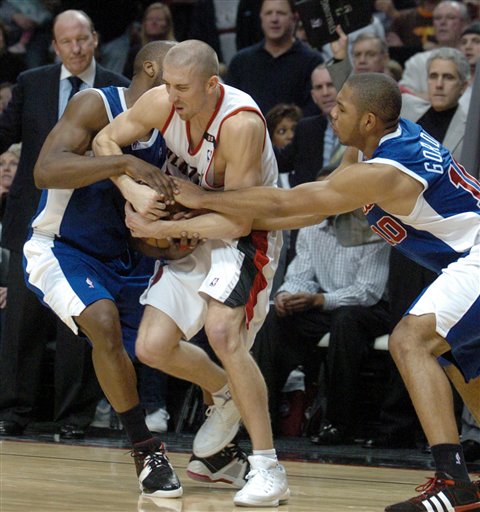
<point x="88" y="76"/>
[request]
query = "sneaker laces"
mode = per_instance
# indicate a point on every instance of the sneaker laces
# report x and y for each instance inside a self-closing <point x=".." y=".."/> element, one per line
<point x="429" y="488"/>
<point x="234" y="451"/>
<point x="154" y="457"/>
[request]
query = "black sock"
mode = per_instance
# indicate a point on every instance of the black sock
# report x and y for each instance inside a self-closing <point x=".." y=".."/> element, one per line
<point x="134" y="423"/>
<point x="449" y="459"/>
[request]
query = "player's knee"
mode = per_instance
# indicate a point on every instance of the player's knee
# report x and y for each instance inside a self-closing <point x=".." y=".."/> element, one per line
<point x="220" y="339"/>
<point x="153" y="353"/>
<point x="106" y="334"/>
<point x="404" y="340"/>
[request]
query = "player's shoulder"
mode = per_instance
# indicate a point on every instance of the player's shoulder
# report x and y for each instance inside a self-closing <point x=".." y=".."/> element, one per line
<point x="244" y="121"/>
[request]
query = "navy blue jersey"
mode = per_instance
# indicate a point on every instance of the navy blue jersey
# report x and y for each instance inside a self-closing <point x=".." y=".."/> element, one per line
<point x="92" y="218"/>
<point x="445" y="222"/>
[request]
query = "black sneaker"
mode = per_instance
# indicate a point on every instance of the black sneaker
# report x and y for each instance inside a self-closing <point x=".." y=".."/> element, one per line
<point x="229" y="465"/>
<point x="156" y="475"/>
<point x="441" y="493"/>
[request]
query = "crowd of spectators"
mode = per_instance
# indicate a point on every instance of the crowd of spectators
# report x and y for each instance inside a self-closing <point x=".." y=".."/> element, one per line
<point x="431" y="47"/>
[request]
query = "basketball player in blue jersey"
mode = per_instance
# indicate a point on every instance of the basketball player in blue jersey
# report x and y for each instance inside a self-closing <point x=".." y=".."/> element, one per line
<point x="425" y="204"/>
<point x="78" y="259"/>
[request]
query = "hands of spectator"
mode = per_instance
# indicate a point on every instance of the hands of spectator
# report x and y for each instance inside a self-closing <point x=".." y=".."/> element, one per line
<point x="298" y="302"/>
<point x="280" y="300"/>
<point x="340" y="46"/>
<point x="3" y="297"/>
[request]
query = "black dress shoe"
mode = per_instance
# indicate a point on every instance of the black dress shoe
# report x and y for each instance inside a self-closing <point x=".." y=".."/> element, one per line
<point x="389" y="441"/>
<point x="71" y="432"/>
<point x="10" y="428"/>
<point x="328" y="435"/>
<point x="471" y="450"/>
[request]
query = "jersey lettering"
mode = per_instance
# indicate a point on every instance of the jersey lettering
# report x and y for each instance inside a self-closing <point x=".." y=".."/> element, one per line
<point x="390" y="230"/>
<point x="176" y="166"/>
<point x="460" y="178"/>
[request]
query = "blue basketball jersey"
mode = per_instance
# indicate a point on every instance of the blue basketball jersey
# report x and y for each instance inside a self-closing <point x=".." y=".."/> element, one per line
<point x="445" y="223"/>
<point x="92" y="218"/>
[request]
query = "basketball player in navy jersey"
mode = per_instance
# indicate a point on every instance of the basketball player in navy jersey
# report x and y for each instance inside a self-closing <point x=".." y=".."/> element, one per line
<point x="78" y="260"/>
<point x="424" y="203"/>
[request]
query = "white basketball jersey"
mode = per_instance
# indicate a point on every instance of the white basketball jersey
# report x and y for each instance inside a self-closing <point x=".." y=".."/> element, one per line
<point x="198" y="165"/>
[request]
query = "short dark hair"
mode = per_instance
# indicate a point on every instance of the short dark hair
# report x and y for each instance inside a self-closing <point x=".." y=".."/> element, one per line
<point x="290" y="2"/>
<point x="154" y="51"/>
<point x="377" y="93"/>
<point x="279" y="112"/>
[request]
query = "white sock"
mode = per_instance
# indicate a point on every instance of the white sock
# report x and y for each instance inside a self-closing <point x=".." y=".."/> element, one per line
<point x="223" y="393"/>
<point x="270" y="454"/>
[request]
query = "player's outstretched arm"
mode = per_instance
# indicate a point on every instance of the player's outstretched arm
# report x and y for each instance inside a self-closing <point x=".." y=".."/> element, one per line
<point x="347" y="189"/>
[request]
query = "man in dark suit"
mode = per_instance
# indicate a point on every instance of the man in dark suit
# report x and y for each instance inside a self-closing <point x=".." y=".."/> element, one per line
<point x="39" y="99"/>
<point x="314" y="143"/>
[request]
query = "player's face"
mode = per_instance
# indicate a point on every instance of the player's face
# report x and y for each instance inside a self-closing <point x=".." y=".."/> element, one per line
<point x="470" y="47"/>
<point x="368" y="57"/>
<point x="187" y="90"/>
<point x="344" y="117"/>
<point x="74" y="43"/>
<point x="284" y="132"/>
<point x="444" y="84"/>
<point x="323" y="91"/>
<point x="277" y="19"/>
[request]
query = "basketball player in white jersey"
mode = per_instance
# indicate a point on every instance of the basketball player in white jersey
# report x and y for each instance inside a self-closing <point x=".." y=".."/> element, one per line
<point x="217" y="138"/>
<point x="424" y="203"/>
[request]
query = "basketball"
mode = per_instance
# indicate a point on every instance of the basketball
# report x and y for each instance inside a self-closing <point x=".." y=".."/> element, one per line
<point x="155" y="242"/>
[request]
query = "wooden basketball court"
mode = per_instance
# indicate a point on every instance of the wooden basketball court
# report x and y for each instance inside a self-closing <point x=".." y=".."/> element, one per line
<point x="49" y="477"/>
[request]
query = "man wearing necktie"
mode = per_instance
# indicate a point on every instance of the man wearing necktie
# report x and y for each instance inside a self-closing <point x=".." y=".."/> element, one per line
<point x="39" y="99"/>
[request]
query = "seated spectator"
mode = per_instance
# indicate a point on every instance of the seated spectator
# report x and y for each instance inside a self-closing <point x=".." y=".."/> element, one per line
<point x="369" y="54"/>
<point x="11" y="65"/>
<point x="327" y="288"/>
<point x="441" y="115"/>
<point x="5" y="95"/>
<point x="8" y="167"/>
<point x="282" y="120"/>
<point x="314" y="143"/>
<point x="278" y="68"/>
<point x="157" y="25"/>
<point x="470" y="47"/>
<point x="449" y="20"/>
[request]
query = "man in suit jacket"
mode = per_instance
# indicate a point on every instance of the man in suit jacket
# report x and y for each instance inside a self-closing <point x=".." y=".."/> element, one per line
<point x="313" y="143"/>
<point x="39" y="99"/>
<point x="442" y="116"/>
